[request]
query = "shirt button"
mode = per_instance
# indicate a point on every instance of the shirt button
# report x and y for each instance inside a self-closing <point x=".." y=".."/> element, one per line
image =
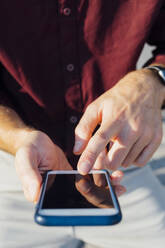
<point x="73" y="119"/>
<point x="70" y="67"/>
<point x="67" y="11"/>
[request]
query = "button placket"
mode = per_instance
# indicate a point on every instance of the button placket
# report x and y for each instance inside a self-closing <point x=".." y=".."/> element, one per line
<point x="67" y="11"/>
<point x="69" y="59"/>
<point x="70" y="67"/>
<point x="73" y="119"/>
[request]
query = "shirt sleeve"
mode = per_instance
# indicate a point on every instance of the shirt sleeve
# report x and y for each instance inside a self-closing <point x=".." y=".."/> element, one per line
<point x="157" y="38"/>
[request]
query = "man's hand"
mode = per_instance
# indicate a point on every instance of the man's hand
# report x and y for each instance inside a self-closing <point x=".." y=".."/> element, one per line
<point x="129" y="116"/>
<point x="34" y="150"/>
<point x="36" y="155"/>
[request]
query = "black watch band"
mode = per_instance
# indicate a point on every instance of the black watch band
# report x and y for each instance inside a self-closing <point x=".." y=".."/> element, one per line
<point x="160" y="72"/>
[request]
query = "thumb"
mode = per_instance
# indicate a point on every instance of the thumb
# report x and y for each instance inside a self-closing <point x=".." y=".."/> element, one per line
<point x="85" y="128"/>
<point x="60" y="161"/>
<point x="26" y="163"/>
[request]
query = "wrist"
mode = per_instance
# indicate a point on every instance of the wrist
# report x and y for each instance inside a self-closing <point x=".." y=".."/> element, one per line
<point x="156" y="83"/>
<point x="32" y="138"/>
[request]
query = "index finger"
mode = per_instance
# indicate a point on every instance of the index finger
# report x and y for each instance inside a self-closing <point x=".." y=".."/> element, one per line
<point x="96" y="144"/>
<point x="85" y="128"/>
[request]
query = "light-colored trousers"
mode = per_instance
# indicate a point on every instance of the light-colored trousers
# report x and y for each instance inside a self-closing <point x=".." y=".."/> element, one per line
<point x="143" y="224"/>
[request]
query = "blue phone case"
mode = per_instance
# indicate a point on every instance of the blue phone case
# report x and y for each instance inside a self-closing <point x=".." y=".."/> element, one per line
<point x="78" y="220"/>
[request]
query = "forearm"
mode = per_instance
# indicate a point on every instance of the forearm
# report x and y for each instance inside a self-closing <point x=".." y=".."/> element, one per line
<point x="13" y="130"/>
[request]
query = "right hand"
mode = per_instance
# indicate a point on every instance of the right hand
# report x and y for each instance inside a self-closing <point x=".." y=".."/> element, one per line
<point x="36" y="155"/>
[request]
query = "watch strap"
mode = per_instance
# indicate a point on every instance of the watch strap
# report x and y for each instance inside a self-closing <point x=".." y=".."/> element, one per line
<point x="160" y="72"/>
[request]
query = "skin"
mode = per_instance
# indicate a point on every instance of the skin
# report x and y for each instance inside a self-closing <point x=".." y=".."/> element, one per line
<point x="35" y="153"/>
<point x="129" y="116"/>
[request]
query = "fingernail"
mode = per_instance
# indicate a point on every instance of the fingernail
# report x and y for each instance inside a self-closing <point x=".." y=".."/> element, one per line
<point x="84" y="167"/>
<point x="116" y="175"/>
<point x="77" y="146"/>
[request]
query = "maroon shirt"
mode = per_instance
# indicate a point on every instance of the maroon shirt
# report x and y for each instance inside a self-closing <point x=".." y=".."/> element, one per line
<point x="58" y="56"/>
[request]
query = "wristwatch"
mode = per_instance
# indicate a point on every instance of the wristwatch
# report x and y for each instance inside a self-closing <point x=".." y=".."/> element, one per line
<point x="160" y="72"/>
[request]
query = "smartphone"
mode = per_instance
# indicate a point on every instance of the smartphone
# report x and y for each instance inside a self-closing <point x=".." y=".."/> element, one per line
<point x="70" y="199"/>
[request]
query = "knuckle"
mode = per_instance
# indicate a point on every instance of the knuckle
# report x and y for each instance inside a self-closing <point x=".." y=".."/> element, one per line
<point x="128" y="135"/>
<point x="140" y="163"/>
<point x="158" y="138"/>
<point x="102" y="155"/>
<point x="112" y="165"/>
<point x="132" y="136"/>
<point x="89" y="155"/>
<point x="148" y="133"/>
<point x="102" y="135"/>
<point x="126" y="163"/>
<point x="90" y="108"/>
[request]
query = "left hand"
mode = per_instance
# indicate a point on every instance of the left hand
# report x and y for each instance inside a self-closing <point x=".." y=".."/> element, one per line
<point x="129" y="116"/>
<point x="35" y="155"/>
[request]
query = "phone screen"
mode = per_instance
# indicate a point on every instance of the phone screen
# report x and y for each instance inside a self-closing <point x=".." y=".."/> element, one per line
<point x="76" y="191"/>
